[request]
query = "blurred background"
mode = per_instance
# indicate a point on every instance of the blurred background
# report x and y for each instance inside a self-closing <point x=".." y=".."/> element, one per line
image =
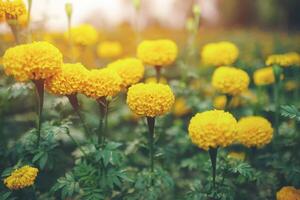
<point x="266" y="14"/>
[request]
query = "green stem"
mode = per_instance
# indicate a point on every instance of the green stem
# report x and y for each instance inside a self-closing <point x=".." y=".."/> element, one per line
<point x="213" y="158"/>
<point x="151" y="124"/>
<point x="102" y="110"/>
<point x="76" y="143"/>
<point x="158" y="73"/>
<point x="39" y="85"/>
<point x="228" y="102"/>
<point x="75" y="105"/>
<point x="277" y="72"/>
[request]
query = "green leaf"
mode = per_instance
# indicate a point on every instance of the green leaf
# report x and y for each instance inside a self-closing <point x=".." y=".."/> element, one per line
<point x="290" y="111"/>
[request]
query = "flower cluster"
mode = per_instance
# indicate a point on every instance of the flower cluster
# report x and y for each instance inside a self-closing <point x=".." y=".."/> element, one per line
<point x="218" y="54"/>
<point x="157" y="52"/>
<point x="288" y="193"/>
<point x="254" y="131"/>
<point x="109" y="49"/>
<point x="13" y="9"/>
<point x="21" y="178"/>
<point x="284" y="60"/>
<point x="264" y="76"/>
<point x="101" y="83"/>
<point x="212" y="129"/>
<point x="230" y="80"/>
<point x="38" y="60"/>
<point x="68" y="81"/>
<point x="150" y="99"/>
<point x="84" y="34"/>
<point x="131" y="70"/>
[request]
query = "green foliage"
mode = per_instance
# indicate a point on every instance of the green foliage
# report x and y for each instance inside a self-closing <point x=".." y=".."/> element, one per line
<point x="291" y="112"/>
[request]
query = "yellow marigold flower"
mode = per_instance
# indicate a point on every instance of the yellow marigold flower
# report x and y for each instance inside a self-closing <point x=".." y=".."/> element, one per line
<point x="254" y="131"/>
<point x="157" y="52"/>
<point x="2" y="16"/>
<point x="180" y="107"/>
<point x="84" y="34"/>
<point x="218" y="54"/>
<point x="38" y="60"/>
<point x="23" y="20"/>
<point x="12" y="9"/>
<point x="284" y="60"/>
<point x="68" y="81"/>
<point x="264" y="76"/>
<point x="153" y="79"/>
<point x="21" y="178"/>
<point x="212" y="129"/>
<point x="102" y="83"/>
<point x="288" y="193"/>
<point x="219" y="102"/>
<point x="230" y="80"/>
<point x="150" y="99"/>
<point x="131" y="70"/>
<point x="109" y="49"/>
<point x="237" y="155"/>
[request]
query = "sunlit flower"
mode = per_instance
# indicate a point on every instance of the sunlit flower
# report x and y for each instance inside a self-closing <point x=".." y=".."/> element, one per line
<point x="109" y="49"/>
<point x="254" y="131"/>
<point x="34" y="61"/>
<point x="218" y="54"/>
<point x="150" y="99"/>
<point x="68" y="81"/>
<point x="212" y="129"/>
<point x="264" y="76"/>
<point x="12" y="9"/>
<point x="131" y="70"/>
<point x="84" y="34"/>
<point x="180" y="107"/>
<point x="102" y="83"/>
<point x="157" y="52"/>
<point x="153" y="79"/>
<point x="230" y="80"/>
<point x="284" y="60"/>
<point x="288" y="193"/>
<point x="21" y="178"/>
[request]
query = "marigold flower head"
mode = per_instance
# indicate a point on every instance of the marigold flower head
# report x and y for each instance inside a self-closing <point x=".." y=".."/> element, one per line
<point x="212" y="129"/>
<point x="68" y="81"/>
<point x="219" y="102"/>
<point x="131" y="70"/>
<point x="12" y="9"/>
<point x="284" y="60"/>
<point x="84" y="34"/>
<point x="230" y="80"/>
<point x="21" y="178"/>
<point x="109" y="49"/>
<point x="153" y="79"/>
<point x="102" y="83"/>
<point x="264" y="76"/>
<point x="150" y="99"/>
<point x="288" y="193"/>
<point x="254" y="131"/>
<point x="218" y="54"/>
<point x="180" y="107"/>
<point x="38" y="60"/>
<point x="157" y="52"/>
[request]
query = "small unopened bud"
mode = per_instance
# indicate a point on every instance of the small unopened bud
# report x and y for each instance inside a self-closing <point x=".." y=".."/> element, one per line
<point x="68" y="9"/>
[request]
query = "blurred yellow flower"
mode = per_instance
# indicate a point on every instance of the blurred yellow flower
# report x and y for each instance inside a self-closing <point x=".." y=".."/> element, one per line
<point x="131" y="70"/>
<point x="84" y="34"/>
<point x="264" y="76"/>
<point x="212" y="129"/>
<point x="23" y="20"/>
<point x="288" y="193"/>
<point x="34" y="61"/>
<point x="68" y="81"/>
<point x="150" y="99"/>
<point x="153" y="79"/>
<point x="218" y="54"/>
<point x="230" y="80"/>
<point x="219" y="102"/>
<point x="157" y="52"/>
<point x="12" y="9"/>
<point x="254" y="131"/>
<point x="180" y="107"/>
<point x="291" y="85"/>
<point x="102" y="83"/>
<point x="109" y="49"/>
<point x="237" y="155"/>
<point x="284" y="60"/>
<point x="21" y="178"/>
